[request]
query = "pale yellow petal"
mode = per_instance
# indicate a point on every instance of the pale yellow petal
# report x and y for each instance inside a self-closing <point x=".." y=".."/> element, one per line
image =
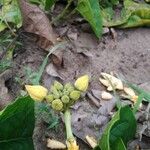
<point x="92" y="142"/>
<point x="106" y="96"/>
<point x="53" y="144"/>
<point x="104" y="82"/>
<point x="37" y="92"/>
<point x="112" y="81"/>
<point x="129" y="91"/>
<point x="134" y="98"/>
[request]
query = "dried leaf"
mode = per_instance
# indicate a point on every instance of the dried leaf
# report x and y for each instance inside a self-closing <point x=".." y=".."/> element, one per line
<point x="107" y="106"/>
<point x="72" y="35"/>
<point x="57" y="58"/>
<point x="35" y="21"/>
<point x="85" y="52"/>
<point x="86" y="120"/>
<point x="93" y="99"/>
<point x="96" y="93"/>
<point x="52" y="71"/>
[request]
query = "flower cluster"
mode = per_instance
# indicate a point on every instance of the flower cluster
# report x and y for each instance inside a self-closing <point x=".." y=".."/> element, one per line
<point x="61" y="96"/>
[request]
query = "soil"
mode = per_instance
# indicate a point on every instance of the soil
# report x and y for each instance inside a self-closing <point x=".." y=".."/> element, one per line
<point x="127" y="55"/>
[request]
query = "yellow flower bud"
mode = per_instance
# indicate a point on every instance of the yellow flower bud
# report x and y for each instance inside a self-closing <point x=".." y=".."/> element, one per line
<point x="82" y="83"/>
<point x="58" y="85"/>
<point x="49" y="98"/>
<point x="65" y="99"/>
<point x="57" y="104"/>
<point x="75" y="95"/>
<point x="37" y="92"/>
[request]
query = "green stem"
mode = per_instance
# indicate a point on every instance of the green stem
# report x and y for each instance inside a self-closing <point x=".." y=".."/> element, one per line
<point x="67" y="117"/>
<point x="71" y="13"/>
<point x="62" y="14"/>
<point x="44" y="63"/>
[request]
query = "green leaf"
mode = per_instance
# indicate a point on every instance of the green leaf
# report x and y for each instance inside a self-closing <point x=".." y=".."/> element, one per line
<point x="49" y="4"/>
<point x="119" y="145"/>
<point x="115" y="135"/>
<point x="2" y="26"/>
<point x="10" y="13"/>
<point x="44" y="4"/>
<point x="91" y="12"/>
<point x="114" y="2"/>
<point x="133" y="14"/>
<point x="37" y="2"/>
<point x="17" y="125"/>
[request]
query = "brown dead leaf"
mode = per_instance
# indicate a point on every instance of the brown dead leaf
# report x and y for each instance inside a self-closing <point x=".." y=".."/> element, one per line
<point x="57" y="58"/>
<point x="107" y="106"/>
<point x="96" y="93"/>
<point x="86" y="120"/>
<point x="35" y="21"/>
<point x="52" y="71"/>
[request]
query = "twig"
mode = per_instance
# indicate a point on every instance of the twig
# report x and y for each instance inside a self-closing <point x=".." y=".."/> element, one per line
<point x="93" y="99"/>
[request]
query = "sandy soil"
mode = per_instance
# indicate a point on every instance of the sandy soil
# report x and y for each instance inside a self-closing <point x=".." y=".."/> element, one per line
<point x="128" y="55"/>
